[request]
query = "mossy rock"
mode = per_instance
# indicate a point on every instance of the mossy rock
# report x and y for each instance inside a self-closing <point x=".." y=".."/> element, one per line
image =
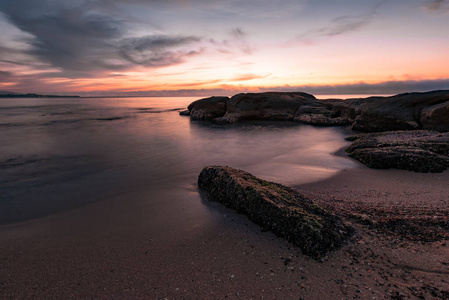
<point x="277" y="208"/>
<point x="420" y="151"/>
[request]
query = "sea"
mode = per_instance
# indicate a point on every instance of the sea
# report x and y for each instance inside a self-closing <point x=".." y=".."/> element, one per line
<point x="60" y="154"/>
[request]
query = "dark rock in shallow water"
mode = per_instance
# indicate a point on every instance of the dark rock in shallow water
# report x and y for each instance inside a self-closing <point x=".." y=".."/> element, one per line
<point x="185" y="113"/>
<point x="265" y="106"/>
<point x="325" y="115"/>
<point x="208" y="108"/>
<point x="292" y="106"/>
<point x="401" y="112"/>
<point x="409" y="111"/>
<point x="277" y="208"/>
<point x="419" y="151"/>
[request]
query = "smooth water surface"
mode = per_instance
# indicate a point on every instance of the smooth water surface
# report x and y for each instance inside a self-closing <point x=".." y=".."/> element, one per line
<point x="59" y="154"/>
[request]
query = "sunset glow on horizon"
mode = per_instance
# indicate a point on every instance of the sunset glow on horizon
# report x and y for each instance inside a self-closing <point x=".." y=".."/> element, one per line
<point x="199" y="47"/>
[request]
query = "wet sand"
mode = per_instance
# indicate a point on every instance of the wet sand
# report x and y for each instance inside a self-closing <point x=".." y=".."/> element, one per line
<point x="401" y="249"/>
<point x="111" y="249"/>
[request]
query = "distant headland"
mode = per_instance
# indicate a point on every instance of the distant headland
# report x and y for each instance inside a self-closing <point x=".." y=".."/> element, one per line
<point x="5" y="94"/>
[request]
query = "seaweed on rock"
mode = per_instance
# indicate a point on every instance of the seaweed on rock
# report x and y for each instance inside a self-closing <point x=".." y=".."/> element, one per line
<point x="278" y="208"/>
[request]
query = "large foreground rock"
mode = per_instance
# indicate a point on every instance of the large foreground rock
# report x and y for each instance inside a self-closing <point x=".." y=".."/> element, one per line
<point x="277" y="208"/>
<point x="419" y="151"/>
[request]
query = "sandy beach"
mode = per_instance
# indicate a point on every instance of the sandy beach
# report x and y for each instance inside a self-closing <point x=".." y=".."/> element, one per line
<point x="104" y="250"/>
<point x="110" y="110"/>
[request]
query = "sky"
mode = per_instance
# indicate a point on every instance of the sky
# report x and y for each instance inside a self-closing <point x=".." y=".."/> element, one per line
<point x="207" y="47"/>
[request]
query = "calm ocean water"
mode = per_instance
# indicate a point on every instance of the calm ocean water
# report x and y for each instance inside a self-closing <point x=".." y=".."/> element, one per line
<point x="59" y="154"/>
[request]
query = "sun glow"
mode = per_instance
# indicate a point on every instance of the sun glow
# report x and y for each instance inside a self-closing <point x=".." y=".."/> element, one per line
<point x="203" y="49"/>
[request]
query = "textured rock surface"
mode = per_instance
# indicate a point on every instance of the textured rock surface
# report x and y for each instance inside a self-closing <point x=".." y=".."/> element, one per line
<point x="277" y="208"/>
<point x="265" y="106"/>
<point x="208" y="108"/>
<point x="295" y="106"/>
<point x="401" y="112"/>
<point x="410" y="111"/>
<point x="436" y="117"/>
<point x="419" y="151"/>
<point x="328" y="113"/>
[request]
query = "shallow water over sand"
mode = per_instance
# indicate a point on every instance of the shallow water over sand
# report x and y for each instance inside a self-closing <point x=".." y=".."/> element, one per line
<point x="59" y="154"/>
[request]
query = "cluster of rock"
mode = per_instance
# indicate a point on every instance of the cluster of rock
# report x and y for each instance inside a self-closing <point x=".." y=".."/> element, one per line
<point x="403" y="112"/>
<point x="293" y="106"/>
<point x="417" y="150"/>
<point x="410" y="111"/>
<point x="277" y="208"/>
<point x="407" y="131"/>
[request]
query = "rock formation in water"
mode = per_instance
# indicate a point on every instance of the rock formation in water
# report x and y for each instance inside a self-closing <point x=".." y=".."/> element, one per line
<point x="410" y="111"/>
<point x="280" y="209"/>
<point x="264" y="106"/>
<point x="419" y="150"/>
<point x="299" y="107"/>
<point x="208" y="108"/>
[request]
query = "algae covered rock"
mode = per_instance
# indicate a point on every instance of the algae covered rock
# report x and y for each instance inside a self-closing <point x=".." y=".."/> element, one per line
<point x="420" y="151"/>
<point x="275" y="207"/>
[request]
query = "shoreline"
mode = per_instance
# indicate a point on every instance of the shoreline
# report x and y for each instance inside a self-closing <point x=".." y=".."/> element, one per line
<point x="83" y="253"/>
<point x="113" y="249"/>
<point x="173" y="243"/>
<point x="396" y="211"/>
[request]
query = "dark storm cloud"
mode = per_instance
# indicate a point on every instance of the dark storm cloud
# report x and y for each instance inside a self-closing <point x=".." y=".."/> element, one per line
<point x="12" y="57"/>
<point x="22" y="83"/>
<point x="79" y="42"/>
<point x="156" y="51"/>
<point x="78" y="37"/>
<point x="248" y="9"/>
<point x="66" y="36"/>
